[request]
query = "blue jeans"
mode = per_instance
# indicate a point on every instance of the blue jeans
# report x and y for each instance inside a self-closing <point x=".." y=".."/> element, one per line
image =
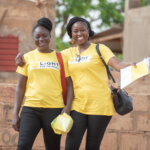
<point x="95" y="125"/>
<point x="31" y="121"/>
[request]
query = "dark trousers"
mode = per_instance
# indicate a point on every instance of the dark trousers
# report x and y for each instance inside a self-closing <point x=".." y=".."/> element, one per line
<point x="95" y="125"/>
<point x="31" y="121"/>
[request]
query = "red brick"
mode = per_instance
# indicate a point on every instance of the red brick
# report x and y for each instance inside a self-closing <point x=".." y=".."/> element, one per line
<point x="140" y="86"/>
<point x="7" y="93"/>
<point x="1" y="111"/>
<point x="8" y="137"/>
<point x="109" y="141"/>
<point x="6" y="112"/>
<point x="121" y="122"/>
<point x="143" y="122"/>
<point x="133" y="142"/>
<point x="7" y="148"/>
<point x="141" y="102"/>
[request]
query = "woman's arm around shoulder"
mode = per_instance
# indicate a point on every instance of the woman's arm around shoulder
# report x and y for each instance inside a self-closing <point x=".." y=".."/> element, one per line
<point x="20" y="61"/>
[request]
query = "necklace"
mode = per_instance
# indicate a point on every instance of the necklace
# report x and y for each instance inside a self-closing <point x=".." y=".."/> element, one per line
<point x="78" y="57"/>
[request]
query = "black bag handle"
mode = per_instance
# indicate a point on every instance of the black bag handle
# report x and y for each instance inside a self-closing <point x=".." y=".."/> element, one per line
<point x="110" y="76"/>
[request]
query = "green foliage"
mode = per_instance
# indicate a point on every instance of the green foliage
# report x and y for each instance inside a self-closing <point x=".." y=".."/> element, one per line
<point x="120" y="56"/>
<point x="68" y="8"/>
<point x="72" y="8"/>
<point x="111" y="13"/>
<point x="60" y="45"/>
<point x="145" y="2"/>
<point x="108" y="14"/>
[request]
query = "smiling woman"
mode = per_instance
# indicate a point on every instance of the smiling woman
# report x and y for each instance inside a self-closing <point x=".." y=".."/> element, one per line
<point x="41" y="35"/>
<point x="39" y="81"/>
<point x="42" y="39"/>
<point x="80" y="32"/>
<point x="92" y="107"/>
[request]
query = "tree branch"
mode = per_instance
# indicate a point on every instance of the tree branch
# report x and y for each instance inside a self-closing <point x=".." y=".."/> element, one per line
<point x="63" y="27"/>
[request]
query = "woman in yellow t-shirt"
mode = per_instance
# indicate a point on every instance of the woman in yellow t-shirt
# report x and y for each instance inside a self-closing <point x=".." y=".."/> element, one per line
<point x="92" y="106"/>
<point x="39" y="81"/>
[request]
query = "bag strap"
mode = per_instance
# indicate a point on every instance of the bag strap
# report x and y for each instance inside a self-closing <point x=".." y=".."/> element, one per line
<point x="110" y="76"/>
<point x="62" y="75"/>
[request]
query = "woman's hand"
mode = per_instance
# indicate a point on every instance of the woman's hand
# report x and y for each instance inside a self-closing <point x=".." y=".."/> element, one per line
<point x="132" y="64"/>
<point x="16" y="122"/>
<point x="20" y="61"/>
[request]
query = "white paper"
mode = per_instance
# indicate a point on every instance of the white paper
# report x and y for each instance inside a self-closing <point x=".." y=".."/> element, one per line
<point x="131" y="73"/>
<point x="125" y="77"/>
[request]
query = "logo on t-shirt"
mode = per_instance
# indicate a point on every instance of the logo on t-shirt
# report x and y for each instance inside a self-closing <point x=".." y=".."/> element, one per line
<point x="79" y="58"/>
<point x="45" y="65"/>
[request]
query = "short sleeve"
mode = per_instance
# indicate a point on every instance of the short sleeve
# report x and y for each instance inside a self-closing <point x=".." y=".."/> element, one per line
<point x="65" y="61"/>
<point x="106" y="53"/>
<point x="23" y="70"/>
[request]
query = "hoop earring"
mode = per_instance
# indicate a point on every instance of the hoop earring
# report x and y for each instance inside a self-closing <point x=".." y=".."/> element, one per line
<point x="72" y="41"/>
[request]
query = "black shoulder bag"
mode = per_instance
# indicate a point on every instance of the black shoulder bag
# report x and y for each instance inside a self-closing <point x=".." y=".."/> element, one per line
<point x="122" y="102"/>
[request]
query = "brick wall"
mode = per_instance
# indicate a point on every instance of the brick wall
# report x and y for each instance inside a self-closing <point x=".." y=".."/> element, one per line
<point x="129" y="132"/>
<point x="8" y="137"/>
<point x="132" y="131"/>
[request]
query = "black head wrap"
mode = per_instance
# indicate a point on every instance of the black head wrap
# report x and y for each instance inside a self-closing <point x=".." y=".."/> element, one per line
<point x="44" y="22"/>
<point x="77" y="19"/>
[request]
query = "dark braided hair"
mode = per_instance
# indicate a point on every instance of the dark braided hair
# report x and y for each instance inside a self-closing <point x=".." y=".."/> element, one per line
<point x="44" y="22"/>
<point x="78" y="19"/>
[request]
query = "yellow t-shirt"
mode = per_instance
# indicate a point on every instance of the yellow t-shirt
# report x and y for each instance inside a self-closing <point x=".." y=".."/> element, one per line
<point x="91" y="91"/>
<point x="43" y="87"/>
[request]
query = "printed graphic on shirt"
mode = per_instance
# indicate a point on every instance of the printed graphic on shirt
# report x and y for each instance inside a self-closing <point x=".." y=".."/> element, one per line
<point x="78" y="59"/>
<point x="44" y="65"/>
